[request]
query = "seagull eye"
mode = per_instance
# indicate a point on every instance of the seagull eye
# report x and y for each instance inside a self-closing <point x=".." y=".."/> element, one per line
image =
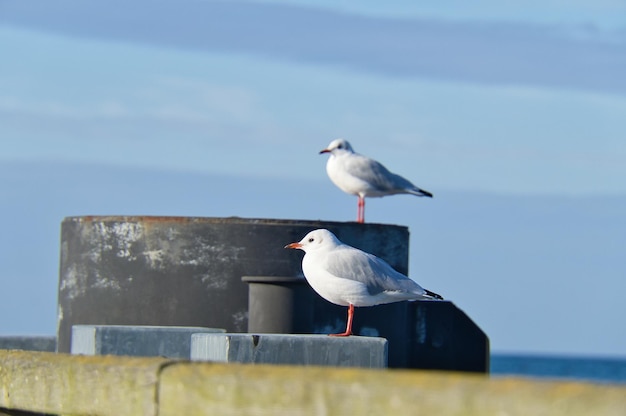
<point x="311" y="240"/>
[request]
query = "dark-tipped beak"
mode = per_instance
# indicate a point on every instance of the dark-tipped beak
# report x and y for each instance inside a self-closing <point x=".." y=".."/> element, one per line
<point x="294" y="245"/>
<point x="324" y="151"/>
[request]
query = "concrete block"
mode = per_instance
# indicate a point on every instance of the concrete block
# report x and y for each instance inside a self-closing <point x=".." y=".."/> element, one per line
<point x="137" y="341"/>
<point x="290" y="349"/>
<point x="28" y="343"/>
<point x="51" y="383"/>
<point x="262" y="390"/>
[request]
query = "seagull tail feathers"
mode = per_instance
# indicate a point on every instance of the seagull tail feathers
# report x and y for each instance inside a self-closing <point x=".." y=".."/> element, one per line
<point x="425" y="193"/>
<point x="433" y="295"/>
<point x="420" y="192"/>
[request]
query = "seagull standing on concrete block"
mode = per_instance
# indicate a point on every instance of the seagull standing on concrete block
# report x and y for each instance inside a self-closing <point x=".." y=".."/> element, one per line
<point x="347" y="276"/>
<point x="359" y="175"/>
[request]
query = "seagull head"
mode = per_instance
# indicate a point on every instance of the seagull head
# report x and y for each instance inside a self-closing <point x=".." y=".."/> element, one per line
<point x="316" y="240"/>
<point x="338" y="145"/>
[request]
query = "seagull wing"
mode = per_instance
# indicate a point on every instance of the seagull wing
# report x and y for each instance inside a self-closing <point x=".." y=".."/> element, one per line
<point x="376" y="174"/>
<point x="376" y="274"/>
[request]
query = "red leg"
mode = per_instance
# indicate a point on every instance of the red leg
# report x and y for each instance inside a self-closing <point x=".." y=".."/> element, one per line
<point x="349" y="326"/>
<point x="360" y="213"/>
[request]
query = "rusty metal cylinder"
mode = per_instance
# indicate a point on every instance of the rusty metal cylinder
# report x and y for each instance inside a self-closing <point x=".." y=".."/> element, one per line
<point x="187" y="271"/>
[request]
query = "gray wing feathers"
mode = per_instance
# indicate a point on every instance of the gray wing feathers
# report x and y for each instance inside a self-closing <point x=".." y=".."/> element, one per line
<point x="376" y="274"/>
<point x="378" y="176"/>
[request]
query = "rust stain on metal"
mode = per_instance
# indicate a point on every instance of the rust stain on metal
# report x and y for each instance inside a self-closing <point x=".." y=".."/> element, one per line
<point x="214" y="220"/>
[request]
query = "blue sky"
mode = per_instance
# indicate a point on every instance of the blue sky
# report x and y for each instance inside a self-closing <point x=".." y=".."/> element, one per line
<point x="524" y="100"/>
<point x="606" y="14"/>
<point x="528" y="126"/>
<point x="515" y="134"/>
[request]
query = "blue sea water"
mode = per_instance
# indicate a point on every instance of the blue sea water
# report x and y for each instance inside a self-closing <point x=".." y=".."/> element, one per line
<point x="597" y="370"/>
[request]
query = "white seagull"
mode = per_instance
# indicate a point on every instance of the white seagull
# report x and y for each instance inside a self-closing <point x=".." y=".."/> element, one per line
<point x="359" y="175"/>
<point x="347" y="276"/>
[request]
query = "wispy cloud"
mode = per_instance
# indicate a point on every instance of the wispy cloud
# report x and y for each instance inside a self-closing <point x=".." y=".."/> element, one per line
<point x="206" y="101"/>
<point x="605" y="14"/>
<point x="167" y="99"/>
<point x="488" y="53"/>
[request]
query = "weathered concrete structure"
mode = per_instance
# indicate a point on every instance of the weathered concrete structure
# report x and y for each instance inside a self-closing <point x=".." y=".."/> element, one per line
<point x="182" y="271"/>
<point x="49" y="383"/>
<point x="28" y="343"/>
<point x="135" y="341"/>
<point x="289" y="349"/>
<point x="235" y="274"/>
